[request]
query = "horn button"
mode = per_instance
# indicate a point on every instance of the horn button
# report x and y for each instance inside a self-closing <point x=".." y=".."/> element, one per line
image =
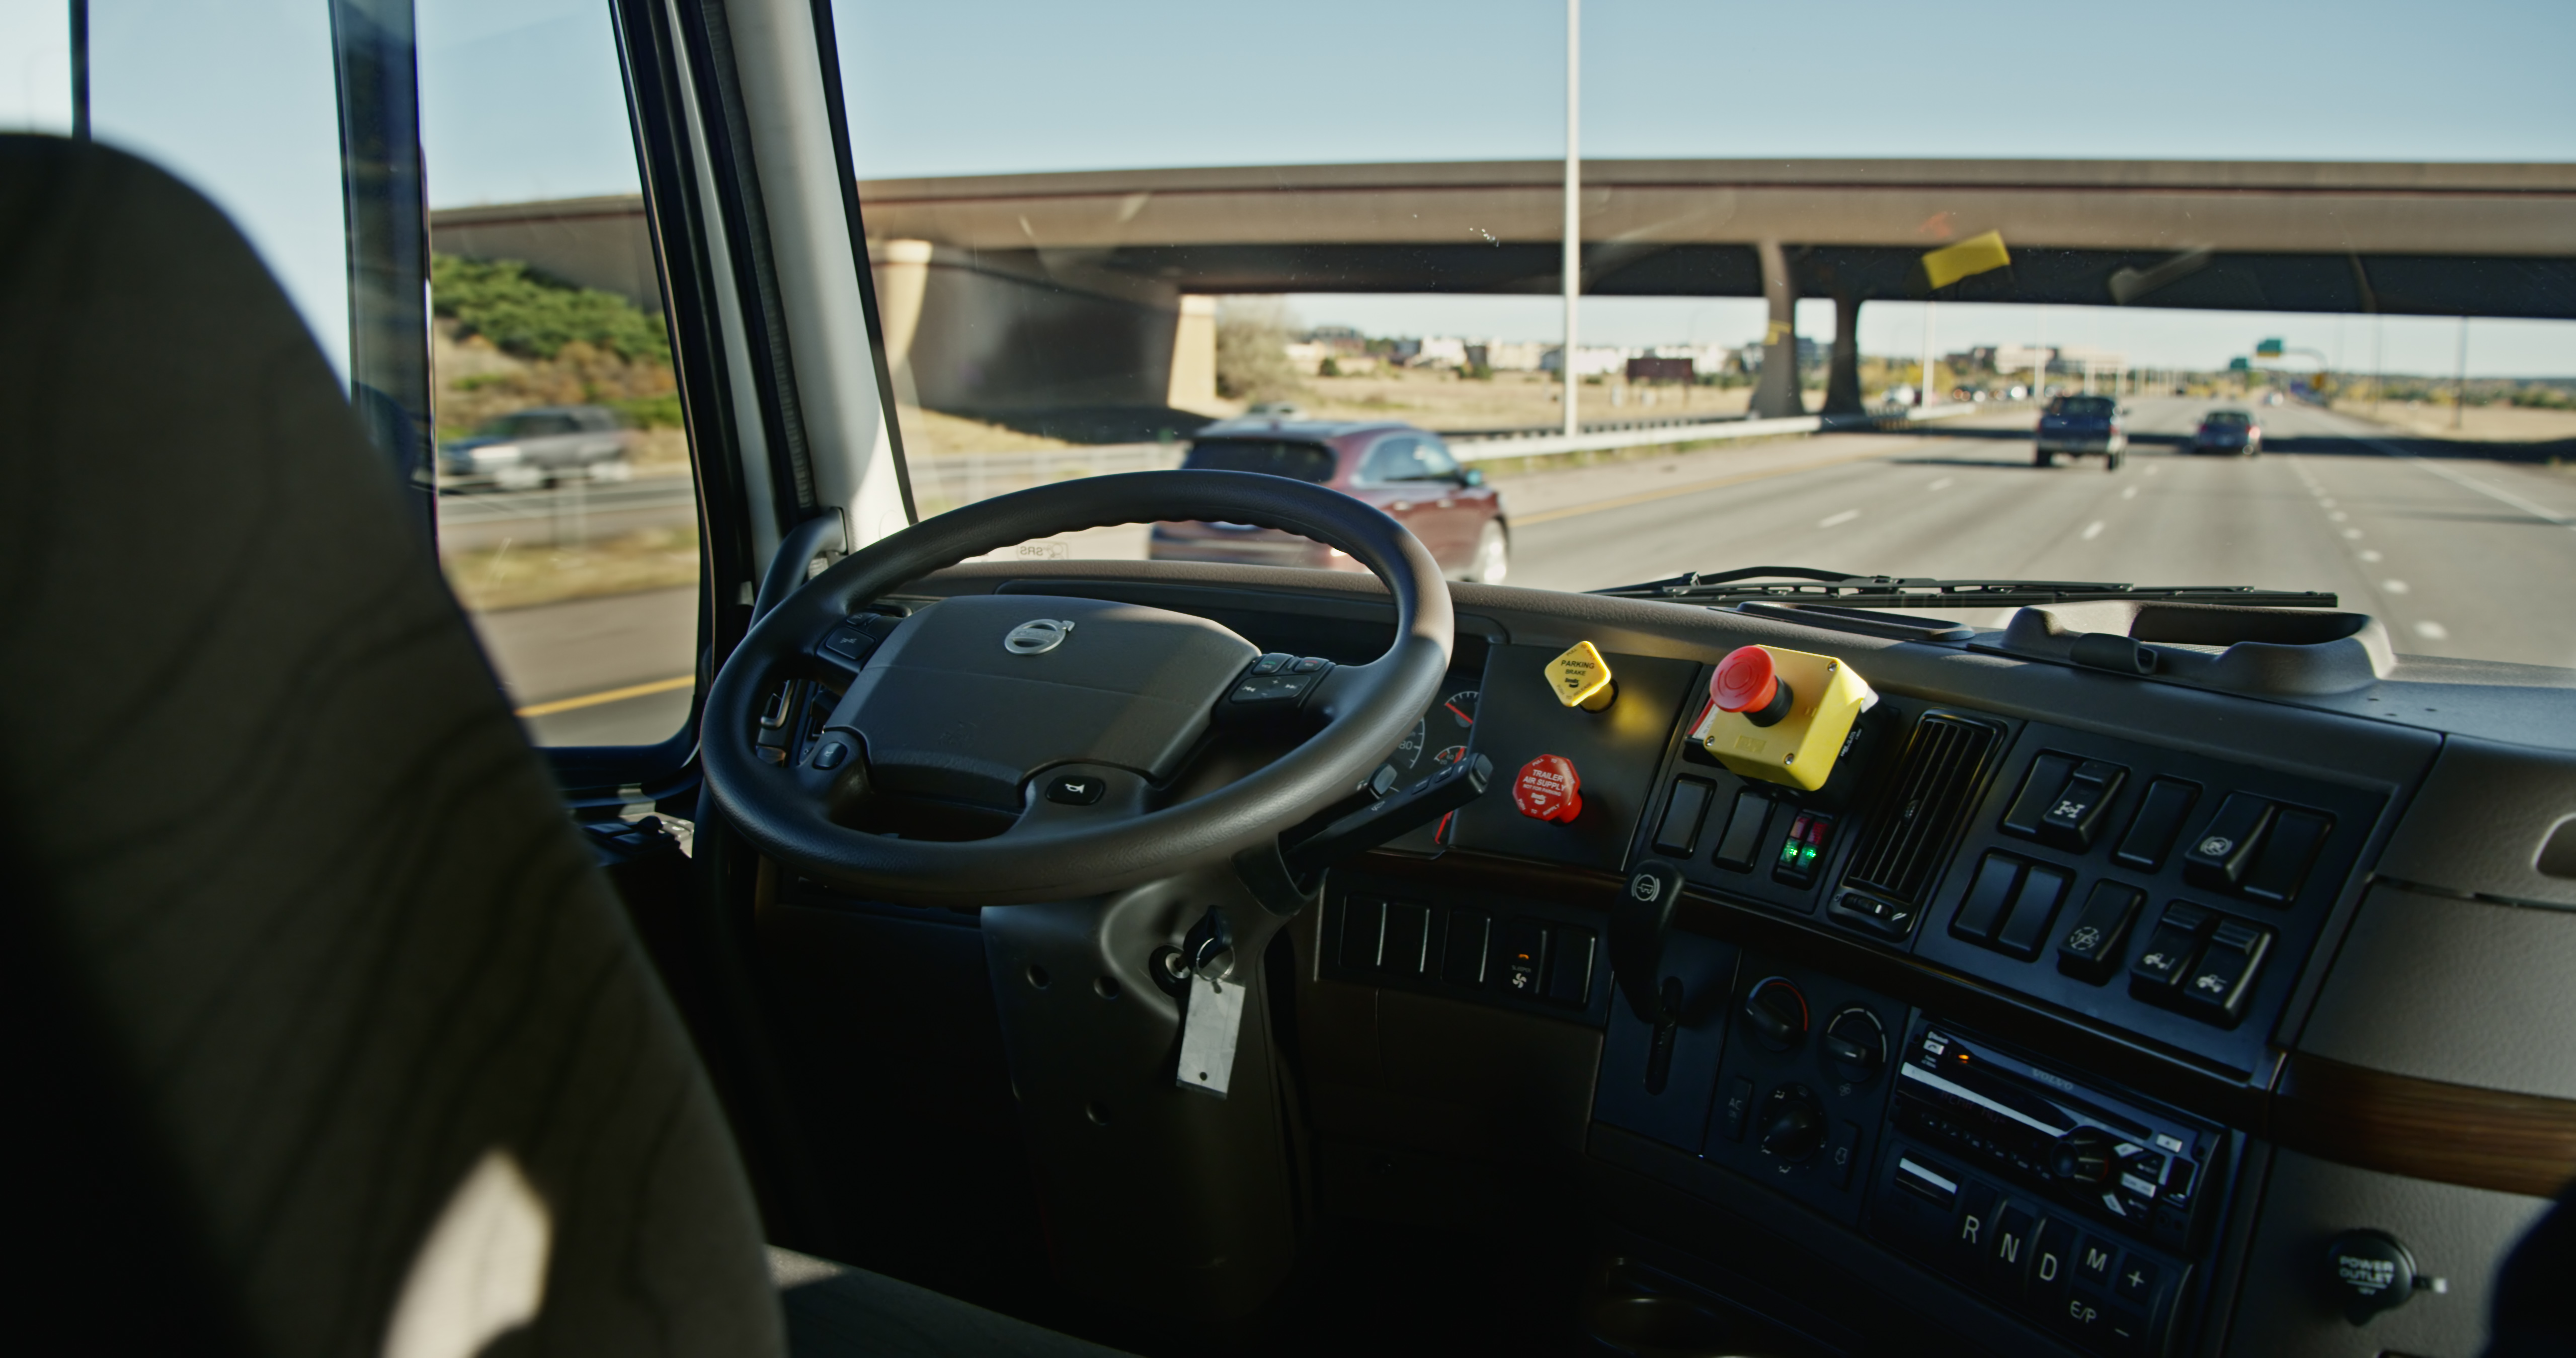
<point x="973" y="696"/>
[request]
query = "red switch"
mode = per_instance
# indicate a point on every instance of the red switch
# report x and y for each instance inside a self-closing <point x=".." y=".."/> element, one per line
<point x="1748" y="681"/>
<point x="1548" y="788"/>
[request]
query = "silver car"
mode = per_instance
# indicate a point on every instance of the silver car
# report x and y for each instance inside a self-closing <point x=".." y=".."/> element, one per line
<point x="539" y="446"/>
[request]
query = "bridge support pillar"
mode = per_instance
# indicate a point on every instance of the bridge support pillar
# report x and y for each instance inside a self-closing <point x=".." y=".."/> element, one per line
<point x="1776" y="396"/>
<point x="1046" y="340"/>
<point x="1842" y="380"/>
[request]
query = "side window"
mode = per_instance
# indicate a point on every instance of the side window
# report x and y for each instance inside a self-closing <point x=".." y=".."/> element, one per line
<point x="1437" y="464"/>
<point x="1393" y="459"/>
<point x="568" y="521"/>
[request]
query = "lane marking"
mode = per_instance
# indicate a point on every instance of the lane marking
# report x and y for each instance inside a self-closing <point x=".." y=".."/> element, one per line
<point x="2432" y="631"/>
<point x="1689" y="488"/>
<point x="2393" y="586"/>
<point x="2370" y="554"/>
<point x="2128" y="492"/>
<point x="605" y="696"/>
<point x="1837" y="520"/>
<point x="2352" y="533"/>
<point x="1942" y="484"/>
<point x="2094" y="531"/>
<point x="2337" y="517"/>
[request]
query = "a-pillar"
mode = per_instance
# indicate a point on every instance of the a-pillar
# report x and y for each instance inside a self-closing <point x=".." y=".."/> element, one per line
<point x="1776" y="397"/>
<point x="1842" y="380"/>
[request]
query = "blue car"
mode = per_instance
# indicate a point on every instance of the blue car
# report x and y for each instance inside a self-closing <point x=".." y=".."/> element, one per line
<point x="2087" y="426"/>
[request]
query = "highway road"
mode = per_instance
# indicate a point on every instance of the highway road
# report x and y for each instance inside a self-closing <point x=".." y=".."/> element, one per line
<point x="2460" y="556"/>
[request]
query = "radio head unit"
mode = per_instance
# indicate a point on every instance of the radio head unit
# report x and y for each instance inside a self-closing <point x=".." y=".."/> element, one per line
<point x="2129" y="1166"/>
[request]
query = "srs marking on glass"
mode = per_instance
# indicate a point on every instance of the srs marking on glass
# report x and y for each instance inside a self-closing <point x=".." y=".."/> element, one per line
<point x="1037" y="636"/>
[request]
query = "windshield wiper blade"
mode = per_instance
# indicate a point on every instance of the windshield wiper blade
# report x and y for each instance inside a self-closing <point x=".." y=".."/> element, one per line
<point x="1795" y="584"/>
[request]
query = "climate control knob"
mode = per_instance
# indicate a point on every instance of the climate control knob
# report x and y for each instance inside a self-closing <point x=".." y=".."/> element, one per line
<point x="1793" y="1123"/>
<point x="2082" y="1156"/>
<point x="1855" y="1045"/>
<point x="1776" y="1014"/>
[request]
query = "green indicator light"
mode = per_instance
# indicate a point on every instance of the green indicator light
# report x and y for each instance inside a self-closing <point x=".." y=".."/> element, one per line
<point x="1808" y="852"/>
<point x="1789" y="852"/>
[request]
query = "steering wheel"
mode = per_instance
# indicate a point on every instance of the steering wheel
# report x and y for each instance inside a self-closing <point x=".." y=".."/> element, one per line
<point x="1068" y="718"/>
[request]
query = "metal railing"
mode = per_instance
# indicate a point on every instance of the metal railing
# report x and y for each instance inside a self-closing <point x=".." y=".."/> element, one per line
<point x="946" y="480"/>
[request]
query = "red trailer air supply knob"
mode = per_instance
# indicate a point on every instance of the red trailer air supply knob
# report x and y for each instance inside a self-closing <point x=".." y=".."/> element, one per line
<point x="1747" y="681"/>
<point x="1548" y="788"/>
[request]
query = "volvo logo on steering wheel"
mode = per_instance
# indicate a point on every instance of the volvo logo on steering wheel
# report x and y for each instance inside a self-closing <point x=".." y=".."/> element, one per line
<point x="1037" y="636"/>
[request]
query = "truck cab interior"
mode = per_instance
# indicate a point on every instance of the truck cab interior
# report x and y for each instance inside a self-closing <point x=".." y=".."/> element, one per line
<point x="1007" y="951"/>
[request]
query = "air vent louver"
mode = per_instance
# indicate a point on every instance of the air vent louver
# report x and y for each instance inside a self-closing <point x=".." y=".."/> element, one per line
<point x="1926" y="799"/>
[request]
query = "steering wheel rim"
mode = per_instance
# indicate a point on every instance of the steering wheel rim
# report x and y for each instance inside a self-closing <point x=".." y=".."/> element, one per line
<point x="1374" y="705"/>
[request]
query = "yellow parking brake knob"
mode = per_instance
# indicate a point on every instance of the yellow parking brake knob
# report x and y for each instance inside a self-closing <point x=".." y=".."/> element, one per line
<point x="1581" y="678"/>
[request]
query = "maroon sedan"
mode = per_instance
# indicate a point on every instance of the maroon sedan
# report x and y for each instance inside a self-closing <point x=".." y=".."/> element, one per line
<point x="1405" y="471"/>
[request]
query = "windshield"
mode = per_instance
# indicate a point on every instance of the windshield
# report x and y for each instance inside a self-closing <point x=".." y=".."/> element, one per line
<point x="1813" y="322"/>
<point x="1301" y="461"/>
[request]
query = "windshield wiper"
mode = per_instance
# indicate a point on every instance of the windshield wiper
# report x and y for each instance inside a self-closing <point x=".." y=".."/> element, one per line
<point x="1806" y="584"/>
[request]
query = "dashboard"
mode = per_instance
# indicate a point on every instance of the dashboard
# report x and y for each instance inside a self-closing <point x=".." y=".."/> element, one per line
<point x="2076" y="1011"/>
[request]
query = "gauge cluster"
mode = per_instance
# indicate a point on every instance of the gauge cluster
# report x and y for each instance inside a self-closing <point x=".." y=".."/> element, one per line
<point x="1442" y="737"/>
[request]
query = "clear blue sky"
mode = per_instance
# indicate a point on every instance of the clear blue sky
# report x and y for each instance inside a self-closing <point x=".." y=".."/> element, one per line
<point x="521" y="99"/>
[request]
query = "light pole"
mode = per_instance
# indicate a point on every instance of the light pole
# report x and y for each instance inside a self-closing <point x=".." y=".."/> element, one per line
<point x="1573" y="197"/>
<point x="2460" y="384"/>
<point x="1924" y="397"/>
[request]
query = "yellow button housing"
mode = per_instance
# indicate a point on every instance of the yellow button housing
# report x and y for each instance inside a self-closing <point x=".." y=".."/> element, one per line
<point x="1581" y="678"/>
<point x="1799" y="750"/>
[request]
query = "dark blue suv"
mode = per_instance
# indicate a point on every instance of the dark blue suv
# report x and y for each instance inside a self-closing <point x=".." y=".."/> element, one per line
<point x="2085" y="425"/>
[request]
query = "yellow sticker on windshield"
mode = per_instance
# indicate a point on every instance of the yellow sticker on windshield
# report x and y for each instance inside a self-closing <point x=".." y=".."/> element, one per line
<point x="1968" y="258"/>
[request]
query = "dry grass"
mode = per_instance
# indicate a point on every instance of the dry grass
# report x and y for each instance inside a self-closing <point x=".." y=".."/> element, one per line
<point x="513" y="576"/>
<point x="2479" y="424"/>
<point x="929" y="433"/>
<point x="1509" y="400"/>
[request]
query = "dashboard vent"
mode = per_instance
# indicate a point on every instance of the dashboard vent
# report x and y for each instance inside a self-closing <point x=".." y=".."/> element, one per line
<point x="1925" y="802"/>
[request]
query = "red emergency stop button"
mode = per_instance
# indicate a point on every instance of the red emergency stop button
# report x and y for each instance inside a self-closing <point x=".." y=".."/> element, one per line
<point x="1748" y="681"/>
<point x="1548" y="788"/>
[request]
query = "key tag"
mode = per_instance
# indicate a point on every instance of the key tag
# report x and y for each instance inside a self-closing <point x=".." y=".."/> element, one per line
<point x="1213" y="1024"/>
<point x="1209" y="1034"/>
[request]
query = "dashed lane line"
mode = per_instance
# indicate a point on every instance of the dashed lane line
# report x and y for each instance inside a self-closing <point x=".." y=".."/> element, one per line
<point x="1838" y="520"/>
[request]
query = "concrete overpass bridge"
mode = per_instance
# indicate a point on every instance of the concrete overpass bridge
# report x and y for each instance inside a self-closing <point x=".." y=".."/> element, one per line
<point x="1004" y="292"/>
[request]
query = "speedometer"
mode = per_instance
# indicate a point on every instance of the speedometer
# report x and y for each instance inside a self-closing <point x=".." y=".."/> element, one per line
<point x="1409" y="753"/>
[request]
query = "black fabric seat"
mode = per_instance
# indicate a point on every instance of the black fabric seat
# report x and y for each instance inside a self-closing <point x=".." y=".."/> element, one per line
<point x="324" y="1034"/>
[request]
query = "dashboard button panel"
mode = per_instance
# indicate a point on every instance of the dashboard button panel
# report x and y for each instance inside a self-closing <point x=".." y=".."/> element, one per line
<point x="2225" y="847"/>
<point x="2034" y="908"/>
<point x="1535" y="956"/>
<point x="1678" y="832"/>
<point x="2156" y="860"/>
<point x="2100" y="933"/>
<point x="2151" y="832"/>
<point x="1741" y="842"/>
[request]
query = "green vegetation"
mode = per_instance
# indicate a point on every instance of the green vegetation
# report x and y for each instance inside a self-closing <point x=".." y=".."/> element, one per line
<point x="527" y="314"/>
<point x="510" y="337"/>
